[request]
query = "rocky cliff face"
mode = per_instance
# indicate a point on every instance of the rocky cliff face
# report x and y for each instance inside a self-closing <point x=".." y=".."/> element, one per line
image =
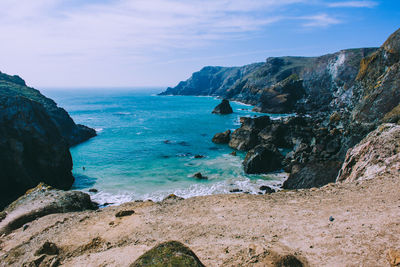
<point x="35" y="136"/>
<point x="377" y="154"/>
<point x="32" y="149"/>
<point x="377" y="92"/>
<point x="11" y="86"/>
<point x="281" y="84"/>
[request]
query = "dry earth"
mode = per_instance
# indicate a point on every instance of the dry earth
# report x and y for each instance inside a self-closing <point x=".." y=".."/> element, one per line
<point x="229" y="230"/>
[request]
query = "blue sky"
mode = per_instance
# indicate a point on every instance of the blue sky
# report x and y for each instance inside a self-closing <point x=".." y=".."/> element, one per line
<point x="124" y="43"/>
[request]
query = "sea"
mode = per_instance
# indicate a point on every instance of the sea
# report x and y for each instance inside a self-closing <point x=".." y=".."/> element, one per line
<point x="147" y="145"/>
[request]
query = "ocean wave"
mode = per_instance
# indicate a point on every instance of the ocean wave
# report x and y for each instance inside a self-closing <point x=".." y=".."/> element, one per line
<point x="243" y="184"/>
<point x="98" y="130"/>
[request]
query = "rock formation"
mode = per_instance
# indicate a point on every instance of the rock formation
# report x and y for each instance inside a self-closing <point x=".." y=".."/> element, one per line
<point x="41" y="201"/>
<point x="11" y="86"/>
<point x="32" y="149"/>
<point x="223" y="108"/>
<point x="35" y="136"/>
<point x="222" y="138"/>
<point x="281" y="84"/>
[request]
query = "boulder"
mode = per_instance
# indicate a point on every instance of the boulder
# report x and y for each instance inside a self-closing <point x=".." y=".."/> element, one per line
<point x="171" y="253"/>
<point x="312" y="174"/>
<point x="222" y="138"/>
<point x="262" y="159"/>
<point x="242" y="139"/>
<point x="267" y="189"/>
<point x="41" y="201"/>
<point x="223" y="108"/>
<point x="376" y="154"/>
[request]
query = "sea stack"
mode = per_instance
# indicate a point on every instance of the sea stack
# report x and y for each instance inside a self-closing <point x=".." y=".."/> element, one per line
<point x="223" y="108"/>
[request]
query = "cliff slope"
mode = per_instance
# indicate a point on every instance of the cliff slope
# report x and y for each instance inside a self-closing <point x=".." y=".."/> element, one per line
<point x="35" y="136"/>
<point x="74" y="134"/>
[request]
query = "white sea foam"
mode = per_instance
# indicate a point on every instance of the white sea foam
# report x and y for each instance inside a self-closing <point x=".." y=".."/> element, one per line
<point x="244" y="184"/>
<point x="98" y="130"/>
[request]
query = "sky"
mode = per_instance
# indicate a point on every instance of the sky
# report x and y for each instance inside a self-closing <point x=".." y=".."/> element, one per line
<point x="145" y="43"/>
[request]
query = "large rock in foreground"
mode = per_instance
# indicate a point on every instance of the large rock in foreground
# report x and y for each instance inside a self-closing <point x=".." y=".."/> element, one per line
<point x="376" y="154"/>
<point x="32" y="149"/>
<point x="171" y="253"/>
<point x="223" y="108"/>
<point x="41" y="201"/>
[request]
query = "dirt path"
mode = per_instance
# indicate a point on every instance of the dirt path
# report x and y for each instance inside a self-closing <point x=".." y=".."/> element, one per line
<point x="229" y="230"/>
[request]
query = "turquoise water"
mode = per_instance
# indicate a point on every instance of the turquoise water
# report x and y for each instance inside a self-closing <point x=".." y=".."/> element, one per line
<point x="146" y="145"/>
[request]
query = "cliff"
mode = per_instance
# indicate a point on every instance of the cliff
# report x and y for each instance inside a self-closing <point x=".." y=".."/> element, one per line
<point x="281" y="84"/>
<point x="35" y="136"/>
<point x="11" y="86"/>
<point x="346" y="95"/>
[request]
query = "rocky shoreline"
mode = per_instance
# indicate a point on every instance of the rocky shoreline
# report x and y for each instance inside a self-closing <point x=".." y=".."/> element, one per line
<point x="342" y="153"/>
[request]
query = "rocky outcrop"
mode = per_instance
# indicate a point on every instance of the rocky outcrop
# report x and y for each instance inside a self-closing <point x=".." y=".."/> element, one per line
<point x="222" y="138"/>
<point x="12" y="86"/>
<point x="41" y="201"/>
<point x="223" y="108"/>
<point x="171" y="253"/>
<point x="377" y="92"/>
<point x="35" y="136"/>
<point x="375" y="155"/>
<point x="246" y="137"/>
<point x="32" y="149"/>
<point x="262" y="159"/>
<point x="312" y="174"/>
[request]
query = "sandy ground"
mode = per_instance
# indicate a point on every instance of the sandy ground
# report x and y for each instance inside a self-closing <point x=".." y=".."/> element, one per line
<point x="229" y="230"/>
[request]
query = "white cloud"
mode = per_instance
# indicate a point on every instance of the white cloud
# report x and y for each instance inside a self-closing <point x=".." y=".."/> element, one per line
<point x="320" y="20"/>
<point x="369" y="4"/>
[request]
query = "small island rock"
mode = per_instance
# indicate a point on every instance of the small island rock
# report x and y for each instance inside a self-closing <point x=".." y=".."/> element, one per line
<point x="223" y="108"/>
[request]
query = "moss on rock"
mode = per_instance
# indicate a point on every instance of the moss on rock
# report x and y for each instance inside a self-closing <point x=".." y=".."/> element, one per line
<point x="168" y="254"/>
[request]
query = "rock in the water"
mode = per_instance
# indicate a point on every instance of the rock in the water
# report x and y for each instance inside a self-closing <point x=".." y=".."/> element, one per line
<point x="236" y="190"/>
<point x="47" y="248"/>
<point x="223" y="108"/>
<point x="267" y="189"/>
<point x="198" y="175"/>
<point x="41" y="201"/>
<point x="246" y="137"/>
<point x="171" y="253"/>
<point x="262" y="159"/>
<point x="222" y="138"/>
<point x="233" y="153"/>
<point x="93" y="190"/>
<point x="198" y="156"/>
<point x="124" y="213"/>
<point x="377" y="153"/>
